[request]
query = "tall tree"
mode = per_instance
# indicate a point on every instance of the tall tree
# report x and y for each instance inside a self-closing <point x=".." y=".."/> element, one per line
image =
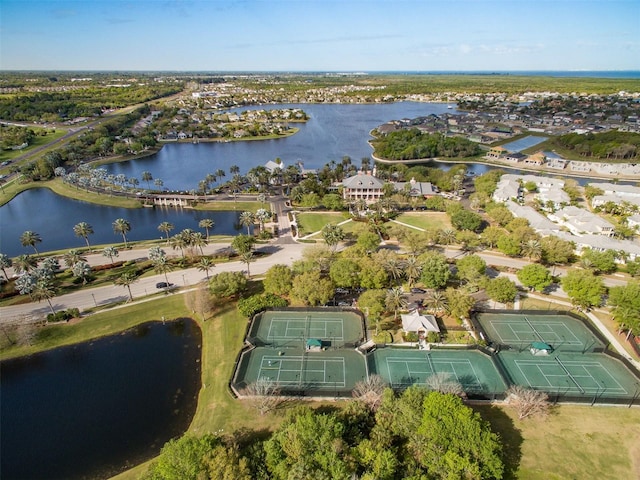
<point x="126" y="279"/>
<point x="166" y="227"/>
<point x="395" y="301"/>
<point x="147" y="177"/>
<point x="81" y="269"/>
<point x="83" y="229"/>
<point x="206" y="223"/>
<point x="332" y="234"/>
<point x="583" y="288"/>
<point x="535" y="276"/>
<point x="111" y="253"/>
<point x="122" y="227"/>
<point x="5" y="262"/>
<point x="30" y="239"/>
<point x="247" y="219"/>
<point x="205" y="265"/>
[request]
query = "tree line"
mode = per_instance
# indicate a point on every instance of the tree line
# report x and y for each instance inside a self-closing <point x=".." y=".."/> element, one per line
<point x="411" y="144"/>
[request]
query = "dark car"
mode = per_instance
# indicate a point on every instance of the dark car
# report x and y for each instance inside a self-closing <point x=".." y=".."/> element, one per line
<point x="418" y="290"/>
<point x="164" y="285"/>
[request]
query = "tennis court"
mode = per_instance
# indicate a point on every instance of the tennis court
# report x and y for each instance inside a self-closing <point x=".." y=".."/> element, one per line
<point x="519" y="330"/>
<point x="296" y="369"/>
<point x="571" y="374"/>
<point x="283" y="328"/>
<point x="474" y="370"/>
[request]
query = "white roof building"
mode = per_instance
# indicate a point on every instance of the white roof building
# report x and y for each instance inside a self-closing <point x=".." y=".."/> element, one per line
<point x="362" y="187"/>
<point x="414" y="322"/>
<point x="582" y="222"/>
<point x="623" y="191"/>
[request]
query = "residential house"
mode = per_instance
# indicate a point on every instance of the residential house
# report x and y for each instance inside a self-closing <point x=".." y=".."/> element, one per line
<point x="416" y="189"/>
<point x="582" y="222"/>
<point x="496" y="152"/>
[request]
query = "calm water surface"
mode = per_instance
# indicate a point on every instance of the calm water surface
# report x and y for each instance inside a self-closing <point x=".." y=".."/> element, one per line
<point x="98" y="408"/>
<point x="53" y="217"/>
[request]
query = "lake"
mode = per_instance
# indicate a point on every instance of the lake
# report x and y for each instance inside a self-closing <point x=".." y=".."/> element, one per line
<point x="53" y="217"/>
<point x="333" y="131"/>
<point x="98" y="408"/>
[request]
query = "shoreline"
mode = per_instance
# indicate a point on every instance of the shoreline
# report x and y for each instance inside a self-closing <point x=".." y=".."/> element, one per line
<point x="510" y="166"/>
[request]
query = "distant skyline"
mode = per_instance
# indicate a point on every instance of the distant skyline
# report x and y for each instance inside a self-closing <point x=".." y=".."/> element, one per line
<point x="327" y="35"/>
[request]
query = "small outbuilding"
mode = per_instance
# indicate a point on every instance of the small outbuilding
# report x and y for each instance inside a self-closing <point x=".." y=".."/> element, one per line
<point x="414" y="322"/>
<point x="540" y="348"/>
<point x="314" y="345"/>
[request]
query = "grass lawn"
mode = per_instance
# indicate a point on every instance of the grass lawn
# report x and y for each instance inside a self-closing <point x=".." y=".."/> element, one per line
<point x="39" y="140"/>
<point x="426" y="220"/>
<point x="311" y="222"/>
<point x="574" y="442"/>
<point x="101" y="324"/>
<point x="58" y="186"/>
<point x="240" y="206"/>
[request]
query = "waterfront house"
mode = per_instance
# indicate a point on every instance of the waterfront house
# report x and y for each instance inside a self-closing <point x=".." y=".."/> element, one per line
<point x="496" y="152"/>
<point x="362" y="186"/>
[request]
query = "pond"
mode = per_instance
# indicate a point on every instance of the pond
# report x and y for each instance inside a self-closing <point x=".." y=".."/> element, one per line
<point x="95" y="409"/>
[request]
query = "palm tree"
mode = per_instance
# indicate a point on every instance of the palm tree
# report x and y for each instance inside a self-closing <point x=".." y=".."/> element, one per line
<point x="247" y="257"/>
<point x="5" y="262"/>
<point x="182" y="240"/>
<point x="122" y="226"/>
<point x="234" y="170"/>
<point x="161" y="265"/>
<point x="147" y="177"/>
<point x="532" y="249"/>
<point x="72" y="257"/>
<point x="246" y="220"/>
<point x="110" y="252"/>
<point x="166" y="227"/>
<point x="199" y="241"/>
<point x="30" y="239"/>
<point x="81" y="269"/>
<point x="412" y="269"/>
<point x="436" y="301"/>
<point x="83" y="229"/>
<point x="206" y="223"/>
<point x="447" y="236"/>
<point x="24" y="264"/>
<point x="205" y="264"/>
<point x="43" y="290"/>
<point x="158" y="183"/>
<point x="395" y="301"/>
<point x="262" y="216"/>
<point x="219" y="173"/>
<point x="126" y="279"/>
<point x="393" y="265"/>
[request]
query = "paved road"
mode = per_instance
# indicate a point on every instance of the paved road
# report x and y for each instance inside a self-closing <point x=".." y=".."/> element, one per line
<point x="90" y="297"/>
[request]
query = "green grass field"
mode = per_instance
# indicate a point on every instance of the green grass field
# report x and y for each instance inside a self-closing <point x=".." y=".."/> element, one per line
<point x="426" y="220"/>
<point x="311" y="222"/>
<point x="38" y="141"/>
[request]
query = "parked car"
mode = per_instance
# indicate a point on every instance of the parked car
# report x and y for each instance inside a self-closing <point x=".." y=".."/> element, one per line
<point x="418" y="290"/>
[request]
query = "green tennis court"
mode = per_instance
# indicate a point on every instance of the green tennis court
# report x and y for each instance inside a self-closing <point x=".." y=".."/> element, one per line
<point x="571" y="374"/>
<point x="519" y="330"/>
<point x="401" y="368"/>
<point x="295" y="369"/>
<point x="282" y="328"/>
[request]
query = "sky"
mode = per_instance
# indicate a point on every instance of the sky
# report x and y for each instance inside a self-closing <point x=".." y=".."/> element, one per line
<point x="325" y="35"/>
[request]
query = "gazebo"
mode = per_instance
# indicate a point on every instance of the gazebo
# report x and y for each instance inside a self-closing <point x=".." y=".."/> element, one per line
<point x="314" y="345"/>
<point x="540" y="348"/>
